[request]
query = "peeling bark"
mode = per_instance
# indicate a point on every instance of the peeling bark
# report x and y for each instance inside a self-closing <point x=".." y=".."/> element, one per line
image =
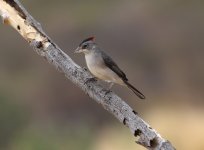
<point x="15" y="15"/>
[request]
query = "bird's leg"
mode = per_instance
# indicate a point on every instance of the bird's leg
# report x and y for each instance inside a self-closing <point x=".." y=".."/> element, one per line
<point x="91" y="79"/>
<point x="110" y="86"/>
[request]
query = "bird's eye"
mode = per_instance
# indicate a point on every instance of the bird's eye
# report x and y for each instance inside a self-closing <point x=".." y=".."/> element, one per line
<point x="84" y="46"/>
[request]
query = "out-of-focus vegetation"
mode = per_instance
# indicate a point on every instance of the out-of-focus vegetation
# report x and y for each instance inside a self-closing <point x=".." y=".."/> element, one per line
<point x="159" y="44"/>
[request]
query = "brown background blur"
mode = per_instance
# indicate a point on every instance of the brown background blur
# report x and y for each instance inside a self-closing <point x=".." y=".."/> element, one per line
<point x="159" y="44"/>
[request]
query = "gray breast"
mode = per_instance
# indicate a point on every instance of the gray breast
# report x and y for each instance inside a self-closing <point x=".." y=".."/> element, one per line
<point x="98" y="68"/>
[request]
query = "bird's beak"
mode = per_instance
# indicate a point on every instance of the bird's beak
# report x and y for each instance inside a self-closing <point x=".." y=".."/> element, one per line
<point x="78" y="50"/>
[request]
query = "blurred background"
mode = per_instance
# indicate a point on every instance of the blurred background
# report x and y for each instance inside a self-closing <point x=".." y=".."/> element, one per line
<point x="159" y="44"/>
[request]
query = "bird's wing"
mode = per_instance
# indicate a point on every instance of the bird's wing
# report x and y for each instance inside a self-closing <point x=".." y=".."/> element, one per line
<point x="113" y="66"/>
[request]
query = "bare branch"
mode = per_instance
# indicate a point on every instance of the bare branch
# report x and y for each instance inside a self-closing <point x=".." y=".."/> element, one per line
<point x="14" y="14"/>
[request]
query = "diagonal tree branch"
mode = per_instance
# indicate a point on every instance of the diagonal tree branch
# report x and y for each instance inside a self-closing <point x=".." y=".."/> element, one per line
<point x="15" y="15"/>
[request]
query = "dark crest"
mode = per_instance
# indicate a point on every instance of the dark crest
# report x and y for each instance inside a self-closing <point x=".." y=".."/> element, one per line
<point x="86" y="40"/>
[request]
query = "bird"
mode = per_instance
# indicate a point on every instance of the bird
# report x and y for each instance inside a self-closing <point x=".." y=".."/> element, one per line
<point x="102" y="66"/>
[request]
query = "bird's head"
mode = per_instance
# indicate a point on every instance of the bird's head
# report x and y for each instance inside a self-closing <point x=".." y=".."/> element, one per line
<point x="86" y="46"/>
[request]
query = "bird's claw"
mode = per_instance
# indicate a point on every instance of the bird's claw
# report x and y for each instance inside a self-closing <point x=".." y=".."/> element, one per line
<point x="107" y="91"/>
<point x="85" y="69"/>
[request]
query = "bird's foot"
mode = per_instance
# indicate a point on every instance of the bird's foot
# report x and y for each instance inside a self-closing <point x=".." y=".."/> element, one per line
<point x="107" y="91"/>
<point x="92" y="79"/>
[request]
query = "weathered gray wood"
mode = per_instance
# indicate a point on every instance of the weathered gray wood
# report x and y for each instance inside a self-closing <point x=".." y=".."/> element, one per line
<point x="14" y="14"/>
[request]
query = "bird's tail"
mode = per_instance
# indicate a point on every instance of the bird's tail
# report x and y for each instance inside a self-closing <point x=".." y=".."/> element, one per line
<point x="137" y="92"/>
